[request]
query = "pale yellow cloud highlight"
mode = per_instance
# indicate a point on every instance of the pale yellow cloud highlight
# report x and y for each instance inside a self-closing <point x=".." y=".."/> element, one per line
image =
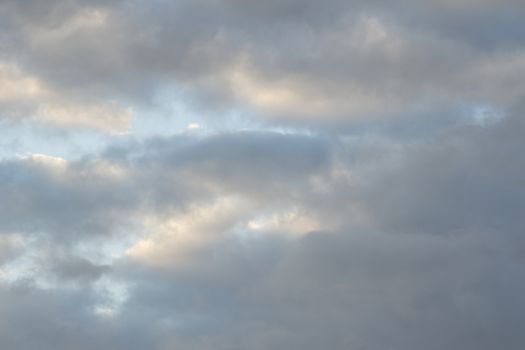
<point x="55" y="165"/>
<point x="108" y="117"/>
<point x="301" y="96"/>
<point x="186" y="239"/>
<point x="293" y="222"/>
<point x="179" y="240"/>
<point x="100" y="169"/>
<point x="23" y="95"/>
<point x="193" y="126"/>
<point x="87" y="19"/>
<point x="16" y="86"/>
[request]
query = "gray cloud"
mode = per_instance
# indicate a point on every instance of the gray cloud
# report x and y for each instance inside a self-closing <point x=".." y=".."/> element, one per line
<point x="422" y="246"/>
<point x="466" y="180"/>
<point x="284" y="61"/>
<point x="375" y="203"/>
<point x="97" y="196"/>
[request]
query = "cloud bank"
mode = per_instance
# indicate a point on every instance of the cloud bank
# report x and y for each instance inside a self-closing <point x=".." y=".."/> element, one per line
<point x="354" y="180"/>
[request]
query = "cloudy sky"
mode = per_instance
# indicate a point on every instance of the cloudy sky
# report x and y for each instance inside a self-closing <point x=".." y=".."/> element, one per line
<point x="254" y="175"/>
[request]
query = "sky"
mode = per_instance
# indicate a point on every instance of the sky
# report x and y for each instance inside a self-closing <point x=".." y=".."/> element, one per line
<point x="253" y="175"/>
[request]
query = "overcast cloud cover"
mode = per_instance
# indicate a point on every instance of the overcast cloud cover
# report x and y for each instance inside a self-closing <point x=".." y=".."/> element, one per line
<point x="246" y="174"/>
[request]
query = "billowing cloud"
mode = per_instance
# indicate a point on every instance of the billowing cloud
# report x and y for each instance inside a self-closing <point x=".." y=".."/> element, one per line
<point x="236" y="174"/>
<point x="293" y="61"/>
<point x="285" y="241"/>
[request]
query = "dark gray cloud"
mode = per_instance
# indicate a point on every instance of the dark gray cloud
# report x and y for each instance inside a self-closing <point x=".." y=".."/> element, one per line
<point x="468" y="179"/>
<point x="67" y="267"/>
<point x="361" y="290"/>
<point x="58" y="319"/>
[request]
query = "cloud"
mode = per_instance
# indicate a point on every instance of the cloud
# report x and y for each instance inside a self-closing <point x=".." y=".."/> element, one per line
<point x="367" y="194"/>
<point x="23" y="96"/>
<point x="43" y="194"/>
<point x="101" y="195"/>
<point x="10" y="246"/>
<point x="466" y="180"/>
<point x="293" y="62"/>
<point x="359" y="289"/>
<point x="282" y="241"/>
